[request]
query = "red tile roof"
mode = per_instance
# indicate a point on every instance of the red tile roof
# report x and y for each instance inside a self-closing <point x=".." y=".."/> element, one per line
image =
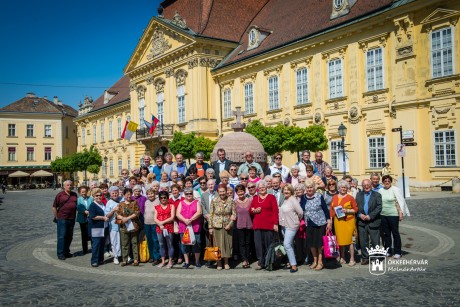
<point x="32" y="104"/>
<point x="221" y="19"/>
<point x="295" y="19"/>
<point x="121" y="91"/>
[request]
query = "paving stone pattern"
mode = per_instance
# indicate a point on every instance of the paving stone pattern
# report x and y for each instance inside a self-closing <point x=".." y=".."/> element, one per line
<point x="27" y="279"/>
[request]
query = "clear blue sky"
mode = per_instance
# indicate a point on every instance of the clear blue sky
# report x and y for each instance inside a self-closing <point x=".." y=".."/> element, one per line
<point x="67" y="43"/>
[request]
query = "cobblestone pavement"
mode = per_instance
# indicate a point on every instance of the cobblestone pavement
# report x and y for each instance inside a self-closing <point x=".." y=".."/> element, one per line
<point x="30" y="273"/>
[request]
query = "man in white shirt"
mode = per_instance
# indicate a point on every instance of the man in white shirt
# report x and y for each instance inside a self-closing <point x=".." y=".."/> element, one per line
<point x="278" y="167"/>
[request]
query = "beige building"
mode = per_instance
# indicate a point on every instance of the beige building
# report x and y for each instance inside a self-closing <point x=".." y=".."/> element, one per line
<point x="100" y="123"/>
<point x="34" y="132"/>
<point x="371" y="65"/>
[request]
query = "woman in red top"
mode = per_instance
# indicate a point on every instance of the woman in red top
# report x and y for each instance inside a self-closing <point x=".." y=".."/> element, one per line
<point x="264" y="210"/>
<point x="175" y="198"/>
<point x="164" y="217"/>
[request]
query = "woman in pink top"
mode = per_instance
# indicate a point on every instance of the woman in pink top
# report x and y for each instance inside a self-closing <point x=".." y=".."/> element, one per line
<point x="253" y="175"/>
<point x="189" y="214"/>
<point x="243" y="224"/>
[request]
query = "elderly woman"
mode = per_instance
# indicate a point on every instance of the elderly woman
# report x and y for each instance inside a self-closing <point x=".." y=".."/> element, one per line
<point x="243" y="224"/>
<point x="293" y="179"/>
<point x="252" y="171"/>
<point x="164" y="216"/>
<point x="164" y="180"/>
<point x="331" y="190"/>
<point x="264" y="210"/>
<point x="150" y="180"/>
<point x="290" y="214"/>
<point x="224" y="177"/>
<point x="114" y="231"/>
<point x="328" y="175"/>
<point x="210" y="174"/>
<point x="268" y="180"/>
<point x="150" y="227"/>
<point x="394" y="208"/>
<point x="344" y="204"/>
<point x="96" y="225"/>
<point x="189" y="214"/>
<point x="233" y="178"/>
<point x="318" y="222"/>
<point x="316" y="179"/>
<point x="221" y="217"/>
<point x="128" y="217"/>
<point x="301" y="237"/>
<point x="83" y="203"/>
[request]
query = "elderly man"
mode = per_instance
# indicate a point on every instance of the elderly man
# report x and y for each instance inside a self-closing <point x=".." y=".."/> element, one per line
<point x="200" y="165"/>
<point x="180" y="166"/>
<point x="147" y="161"/>
<point x="369" y="208"/>
<point x="276" y="190"/>
<point x="278" y="167"/>
<point x="305" y="160"/>
<point x="157" y="169"/>
<point x="222" y="164"/>
<point x="244" y="168"/>
<point x="319" y="164"/>
<point x="375" y="181"/>
<point x="65" y="210"/>
<point x="168" y="165"/>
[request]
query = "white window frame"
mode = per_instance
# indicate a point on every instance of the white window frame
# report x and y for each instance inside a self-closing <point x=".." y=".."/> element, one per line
<point x="249" y="98"/>
<point x="445" y="144"/>
<point x="372" y="70"/>
<point x="110" y="130"/>
<point x="102" y="132"/>
<point x="50" y="153"/>
<point x="83" y="136"/>
<point x="227" y="101"/>
<point x="11" y="129"/>
<point x="119" y="128"/>
<point x="161" y="107"/>
<point x="378" y="152"/>
<point x="335" y="150"/>
<point x="48" y="131"/>
<point x="30" y="155"/>
<point x="111" y="167"/>
<point x="443" y="73"/>
<point x="30" y="130"/>
<point x="120" y="166"/>
<point x="181" y="104"/>
<point x="11" y="154"/>
<point x="94" y="134"/>
<point x="334" y="78"/>
<point x="301" y="76"/>
<point x="273" y="93"/>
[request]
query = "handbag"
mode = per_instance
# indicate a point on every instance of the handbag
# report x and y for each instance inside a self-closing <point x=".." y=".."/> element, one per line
<point x="330" y="246"/>
<point x="212" y="253"/>
<point x="189" y="236"/>
<point x="144" y="255"/>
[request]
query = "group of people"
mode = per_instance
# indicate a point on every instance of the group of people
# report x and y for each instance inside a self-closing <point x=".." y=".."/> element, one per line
<point x="242" y="209"/>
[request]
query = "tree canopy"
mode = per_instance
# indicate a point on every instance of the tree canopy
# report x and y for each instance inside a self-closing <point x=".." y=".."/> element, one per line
<point x="292" y="138"/>
<point x="85" y="160"/>
<point x="189" y="144"/>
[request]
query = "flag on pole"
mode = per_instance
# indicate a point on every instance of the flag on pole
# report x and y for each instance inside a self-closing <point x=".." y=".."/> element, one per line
<point x="130" y="128"/>
<point x="155" y="122"/>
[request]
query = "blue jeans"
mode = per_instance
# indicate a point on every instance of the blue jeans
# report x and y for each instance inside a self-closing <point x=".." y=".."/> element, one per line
<point x="168" y="240"/>
<point x="289" y="236"/>
<point x="64" y="236"/>
<point x="152" y="241"/>
<point x="97" y="250"/>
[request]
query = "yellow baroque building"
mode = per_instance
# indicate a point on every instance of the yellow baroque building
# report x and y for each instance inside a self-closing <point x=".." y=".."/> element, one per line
<point x="100" y="123"/>
<point x="371" y="65"/>
<point x="34" y="132"/>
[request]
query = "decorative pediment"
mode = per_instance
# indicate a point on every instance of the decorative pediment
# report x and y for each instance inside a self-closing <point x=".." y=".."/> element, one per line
<point x="159" y="44"/>
<point x="441" y="14"/>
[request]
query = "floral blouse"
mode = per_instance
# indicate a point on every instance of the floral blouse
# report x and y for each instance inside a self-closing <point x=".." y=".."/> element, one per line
<point x="127" y="209"/>
<point x="221" y="212"/>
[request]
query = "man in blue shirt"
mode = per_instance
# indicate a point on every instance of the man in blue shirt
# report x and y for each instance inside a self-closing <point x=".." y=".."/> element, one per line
<point x="375" y="180"/>
<point x="158" y="167"/>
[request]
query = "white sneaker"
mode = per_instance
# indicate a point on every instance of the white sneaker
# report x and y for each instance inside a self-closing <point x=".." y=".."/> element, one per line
<point x="397" y="256"/>
<point x="115" y="260"/>
<point x="107" y="255"/>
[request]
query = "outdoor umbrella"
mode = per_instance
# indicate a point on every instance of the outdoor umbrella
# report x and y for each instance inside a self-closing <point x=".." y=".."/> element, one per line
<point x="41" y="173"/>
<point x="19" y="174"/>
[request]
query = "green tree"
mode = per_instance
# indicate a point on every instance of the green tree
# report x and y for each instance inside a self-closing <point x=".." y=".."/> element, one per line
<point x="183" y="144"/>
<point x="204" y="145"/>
<point x="93" y="169"/>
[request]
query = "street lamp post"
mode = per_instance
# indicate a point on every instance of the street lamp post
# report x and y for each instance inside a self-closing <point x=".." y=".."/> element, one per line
<point x="105" y="166"/>
<point x="343" y="133"/>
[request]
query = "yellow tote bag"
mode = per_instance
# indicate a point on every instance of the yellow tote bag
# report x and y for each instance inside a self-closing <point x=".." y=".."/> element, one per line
<point x="144" y="251"/>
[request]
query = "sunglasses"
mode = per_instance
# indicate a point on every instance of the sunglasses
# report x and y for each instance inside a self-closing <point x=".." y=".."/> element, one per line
<point x="232" y="169"/>
<point x="278" y="158"/>
<point x="188" y="194"/>
<point x="204" y="182"/>
<point x="163" y="197"/>
<point x="244" y="178"/>
<point x="251" y="187"/>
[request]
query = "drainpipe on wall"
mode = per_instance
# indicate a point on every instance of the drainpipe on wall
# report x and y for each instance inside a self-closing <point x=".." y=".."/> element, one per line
<point x="220" y="107"/>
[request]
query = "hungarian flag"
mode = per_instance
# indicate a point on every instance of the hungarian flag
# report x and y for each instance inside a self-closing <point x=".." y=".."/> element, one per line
<point x="130" y="128"/>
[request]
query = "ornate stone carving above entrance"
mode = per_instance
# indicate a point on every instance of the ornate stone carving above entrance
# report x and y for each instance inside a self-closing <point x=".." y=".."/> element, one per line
<point x="318" y="118"/>
<point x="159" y="44"/>
<point x="141" y="91"/>
<point x="443" y="116"/>
<point x="354" y="114"/>
<point x="159" y="84"/>
<point x="181" y="75"/>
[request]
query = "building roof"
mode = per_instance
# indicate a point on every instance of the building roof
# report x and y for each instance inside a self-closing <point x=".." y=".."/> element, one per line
<point x="292" y="20"/>
<point x="220" y="19"/>
<point x="120" y="92"/>
<point x="33" y="104"/>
